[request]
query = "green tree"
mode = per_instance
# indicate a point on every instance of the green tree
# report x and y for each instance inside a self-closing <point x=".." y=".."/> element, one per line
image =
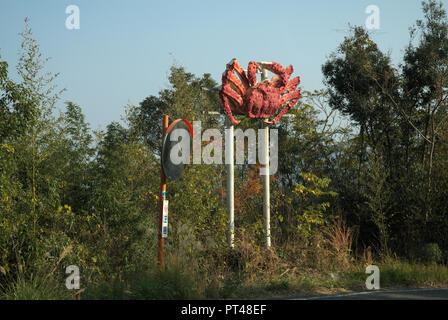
<point x="401" y="115"/>
<point x="77" y="153"/>
<point x="121" y="178"/>
<point x="28" y="108"/>
<point x="426" y="84"/>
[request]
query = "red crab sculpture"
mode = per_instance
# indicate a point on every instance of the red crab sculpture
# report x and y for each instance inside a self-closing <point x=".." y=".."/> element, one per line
<point x="258" y="100"/>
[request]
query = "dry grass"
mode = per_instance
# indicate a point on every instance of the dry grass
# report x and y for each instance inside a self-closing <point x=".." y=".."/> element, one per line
<point x="256" y="258"/>
<point x="340" y="241"/>
<point x="322" y="264"/>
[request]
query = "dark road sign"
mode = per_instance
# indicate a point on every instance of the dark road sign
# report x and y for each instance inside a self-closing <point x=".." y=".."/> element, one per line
<point x="174" y="170"/>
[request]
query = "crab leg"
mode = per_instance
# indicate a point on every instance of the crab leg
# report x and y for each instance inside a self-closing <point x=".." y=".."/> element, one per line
<point x="287" y="97"/>
<point x="234" y="65"/>
<point x="235" y="83"/>
<point x="227" y="90"/>
<point x="295" y="97"/>
<point x="290" y="90"/>
<point x="293" y="84"/>
<point x="252" y="72"/>
<point x="233" y="89"/>
<point x="230" y="100"/>
<point x="282" y="75"/>
<point x="227" y="109"/>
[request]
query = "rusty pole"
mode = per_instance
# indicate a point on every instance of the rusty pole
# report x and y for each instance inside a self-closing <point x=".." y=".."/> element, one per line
<point x="162" y="197"/>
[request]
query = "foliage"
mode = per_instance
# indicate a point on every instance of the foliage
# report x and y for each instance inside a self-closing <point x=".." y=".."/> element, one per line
<point x="401" y="114"/>
<point x="34" y="289"/>
<point x="311" y="213"/>
<point x="151" y="285"/>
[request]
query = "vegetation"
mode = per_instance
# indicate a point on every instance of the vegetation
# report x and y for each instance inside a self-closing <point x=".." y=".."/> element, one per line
<point x="371" y="192"/>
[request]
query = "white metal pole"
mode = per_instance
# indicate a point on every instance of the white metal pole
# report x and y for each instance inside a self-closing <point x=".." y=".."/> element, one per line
<point x="230" y="182"/>
<point x="266" y="191"/>
<point x="230" y="160"/>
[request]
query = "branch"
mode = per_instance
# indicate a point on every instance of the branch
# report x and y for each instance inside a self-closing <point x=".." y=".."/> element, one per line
<point x="402" y="111"/>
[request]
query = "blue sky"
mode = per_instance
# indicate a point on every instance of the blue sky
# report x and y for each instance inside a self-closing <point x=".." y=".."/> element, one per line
<point x="124" y="49"/>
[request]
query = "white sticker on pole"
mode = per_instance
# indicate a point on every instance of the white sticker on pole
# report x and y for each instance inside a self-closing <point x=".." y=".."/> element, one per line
<point x="165" y="219"/>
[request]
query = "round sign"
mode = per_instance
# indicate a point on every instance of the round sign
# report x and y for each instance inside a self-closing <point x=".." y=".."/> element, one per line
<point x="173" y="168"/>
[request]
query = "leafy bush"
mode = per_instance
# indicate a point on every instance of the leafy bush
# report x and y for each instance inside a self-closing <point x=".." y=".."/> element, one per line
<point x="431" y="253"/>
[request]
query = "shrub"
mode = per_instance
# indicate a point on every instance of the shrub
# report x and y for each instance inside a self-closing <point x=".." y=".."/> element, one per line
<point x="172" y="283"/>
<point x="37" y="288"/>
<point x="431" y="253"/>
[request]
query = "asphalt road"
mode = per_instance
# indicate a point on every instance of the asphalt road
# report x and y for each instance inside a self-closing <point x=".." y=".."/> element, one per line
<point x="405" y="294"/>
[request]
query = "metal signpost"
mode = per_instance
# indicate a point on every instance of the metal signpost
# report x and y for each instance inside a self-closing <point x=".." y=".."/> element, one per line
<point x="230" y="162"/>
<point x="266" y="179"/>
<point x="230" y="182"/>
<point x="171" y="170"/>
<point x="162" y="198"/>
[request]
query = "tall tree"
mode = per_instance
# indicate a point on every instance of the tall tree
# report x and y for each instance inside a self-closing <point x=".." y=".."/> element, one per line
<point x="401" y="113"/>
<point x="29" y="132"/>
<point x="425" y="73"/>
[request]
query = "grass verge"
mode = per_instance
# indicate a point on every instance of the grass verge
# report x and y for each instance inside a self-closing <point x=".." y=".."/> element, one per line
<point x="178" y="283"/>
